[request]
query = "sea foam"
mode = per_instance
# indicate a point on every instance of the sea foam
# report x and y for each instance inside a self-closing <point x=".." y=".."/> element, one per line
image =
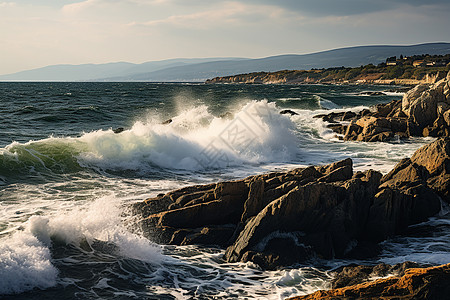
<point x="195" y="140"/>
<point x="25" y="264"/>
<point x="25" y="256"/>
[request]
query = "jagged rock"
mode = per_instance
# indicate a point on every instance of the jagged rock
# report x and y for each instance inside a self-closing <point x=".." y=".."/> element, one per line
<point x="372" y="93"/>
<point x="423" y="111"/>
<point x="356" y="274"/>
<point x="288" y="112"/>
<point x="348" y="115"/>
<point x="118" y="130"/>
<point x="416" y="283"/>
<point x="435" y="157"/>
<point x="328" y="211"/>
<point x="285" y="217"/>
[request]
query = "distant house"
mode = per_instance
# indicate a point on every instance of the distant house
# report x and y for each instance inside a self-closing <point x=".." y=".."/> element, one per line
<point x="391" y="63"/>
<point x="418" y="63"/>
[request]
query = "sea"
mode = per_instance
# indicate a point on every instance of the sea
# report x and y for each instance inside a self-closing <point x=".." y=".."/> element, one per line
<point x="74" y="156"/>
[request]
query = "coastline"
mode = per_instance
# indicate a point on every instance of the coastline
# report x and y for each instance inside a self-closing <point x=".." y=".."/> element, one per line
<point x="324" y="77"/>
<point x="280" y="219"/>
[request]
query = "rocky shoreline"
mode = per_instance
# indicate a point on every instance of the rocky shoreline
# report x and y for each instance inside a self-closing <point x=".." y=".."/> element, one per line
<point x="412" y="283"/>
<point x="325" y="77"/>
<point x="423" y="111"/>
<point x="330" y="211"/>
<point x="282" y="218"/>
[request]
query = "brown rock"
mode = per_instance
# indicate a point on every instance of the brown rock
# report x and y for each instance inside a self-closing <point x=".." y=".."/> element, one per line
<point x="356" y="274"/>
<point x="330" y="216"/>
<point x="435" y="157"/>
<point x="225" y="210"/>
<point x="254" y="202"/>
<point x="352" y="132"/>
<point x="417" y="283"/>
<point x="218" y="236"/>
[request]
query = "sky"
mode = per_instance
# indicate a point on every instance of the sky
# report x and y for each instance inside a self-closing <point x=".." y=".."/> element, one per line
<point x="37" y="33"/>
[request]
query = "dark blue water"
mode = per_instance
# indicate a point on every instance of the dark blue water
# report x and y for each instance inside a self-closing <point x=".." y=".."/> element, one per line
<point x="32" y="111"/>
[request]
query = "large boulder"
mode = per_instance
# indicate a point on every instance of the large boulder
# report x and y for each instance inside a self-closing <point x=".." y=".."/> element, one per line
<point x="326" y="216"/>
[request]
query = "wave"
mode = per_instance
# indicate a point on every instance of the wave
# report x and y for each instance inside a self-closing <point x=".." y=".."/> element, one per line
<point x="26" y="257"/>
<point x="325" y="104"/>
<point x="25" y="264"/>
<point x="194" y="140"/>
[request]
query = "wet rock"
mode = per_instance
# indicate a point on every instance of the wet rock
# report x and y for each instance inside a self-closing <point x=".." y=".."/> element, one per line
<point x="227" y="115"/>
<point x="119" y="130"/>
<point x="435" y="157"/>
<point x="166" y="122"/>
<point x="282" y="218"/>
<point x="416" y="283"/>
<point x="288" y="112"/>
<point x="374" y="93"/>
<point x="423" y="111"/>
<point x="356" y="274"/>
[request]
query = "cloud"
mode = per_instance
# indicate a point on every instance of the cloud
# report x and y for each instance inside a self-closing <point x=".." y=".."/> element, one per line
<point x="7" y="4"/>
<point x="233" y="14"/>
<point x="348" y="7"/>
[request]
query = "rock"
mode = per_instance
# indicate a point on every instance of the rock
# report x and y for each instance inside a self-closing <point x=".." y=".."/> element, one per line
<point x="386" y="109"/>
<point x="348" y="115"/>
<point x="212" y="236"/>
<point x="118" y="130"/>
<point x="393" y="210"/>
<point x="227" y="115"/>
<point x="288" y="112"/>
<point x="327" y="210"/>
<point x="435" y="157"/>
<point x="338" y="128"/>
<point x="416" y="283"/>
<point x="423" y="111"/>
<point x="412" y="95"/>
<point x="375" y="93"/>
<point x="356" y="274"/>
<point x="255" y="201"/>
<point x="282" y="218"/>
<point x="166" y="122"/>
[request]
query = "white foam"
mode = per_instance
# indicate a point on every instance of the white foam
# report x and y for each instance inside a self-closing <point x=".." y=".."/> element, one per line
<point x="100" y="220"/>
<point x="196" y="139"/>
<point x="25" y="256"/>
<point x="25" y="264"/>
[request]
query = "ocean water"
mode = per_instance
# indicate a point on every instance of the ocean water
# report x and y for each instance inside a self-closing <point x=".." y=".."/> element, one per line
<point x="67" y="180"/>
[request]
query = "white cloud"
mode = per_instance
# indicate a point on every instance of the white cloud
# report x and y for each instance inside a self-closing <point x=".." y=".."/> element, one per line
<point x="234" y="14"/>
<point x="7" y="4"/>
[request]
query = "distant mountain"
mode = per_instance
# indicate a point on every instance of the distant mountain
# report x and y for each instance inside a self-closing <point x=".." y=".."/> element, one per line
<point x="94" y="72"/>
<point x="201" y="69"/>
<point x="348" y="57"/>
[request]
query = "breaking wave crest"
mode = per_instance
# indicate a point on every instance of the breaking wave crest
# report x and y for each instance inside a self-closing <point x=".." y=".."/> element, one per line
<point x="193" y="140"/>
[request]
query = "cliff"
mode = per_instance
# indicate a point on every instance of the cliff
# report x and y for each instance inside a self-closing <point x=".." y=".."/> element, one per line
<point x="362" y="75"/>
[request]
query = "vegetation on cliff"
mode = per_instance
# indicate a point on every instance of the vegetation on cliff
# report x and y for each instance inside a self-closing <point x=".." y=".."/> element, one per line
<point x="407" y="70"/>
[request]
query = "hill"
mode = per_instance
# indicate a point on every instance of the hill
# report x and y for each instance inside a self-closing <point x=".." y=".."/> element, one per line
<point x="404" y="70"/>
<point x="185" y="70"/>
